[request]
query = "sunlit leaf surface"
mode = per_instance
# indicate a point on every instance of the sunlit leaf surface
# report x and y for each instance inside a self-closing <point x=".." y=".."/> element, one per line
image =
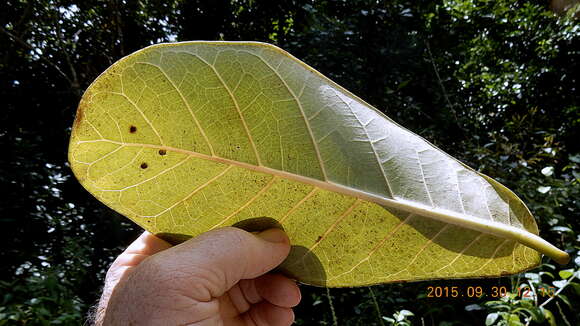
<point x="183" y="138"/>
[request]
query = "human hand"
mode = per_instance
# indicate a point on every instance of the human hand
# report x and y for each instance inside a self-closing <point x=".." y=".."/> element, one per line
<point x="217" y="278"/>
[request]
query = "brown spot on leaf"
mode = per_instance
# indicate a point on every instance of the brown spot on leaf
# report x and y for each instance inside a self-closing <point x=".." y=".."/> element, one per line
<point x="132" y="129"/>
<point x="319" y="238"/>
<point x="144" y="165"/>
<point x="162" y="152"/>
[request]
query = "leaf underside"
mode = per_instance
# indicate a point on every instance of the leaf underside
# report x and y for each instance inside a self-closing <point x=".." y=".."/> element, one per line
<point x="187" y="137"/>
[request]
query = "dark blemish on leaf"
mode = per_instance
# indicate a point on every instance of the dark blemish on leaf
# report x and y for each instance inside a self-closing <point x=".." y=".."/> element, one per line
<point x="132" y="129"/>
<point x="162" y="152"/>
<point x="144" y="165"/>
<point x="319" y="238"/>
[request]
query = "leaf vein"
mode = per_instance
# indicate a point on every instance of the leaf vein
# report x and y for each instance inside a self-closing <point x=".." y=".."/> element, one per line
<point x="253" y="199"/>
<point x="471" y="222"/>
<point x="424" y="179"/>
<point x="295" y="207"/>
<point x="306" y="122"/>
<point x="460" y="253"/>
<point x="376" y="155"/>
<point x="142" y="115"/>
<point x="429" y="242"/>
<point x="376" y="247"/>
<point x="195" y="120"/>
<point x="196" y="190"/>
<point x="236" y="105"/>
<point x="336" y="223"/>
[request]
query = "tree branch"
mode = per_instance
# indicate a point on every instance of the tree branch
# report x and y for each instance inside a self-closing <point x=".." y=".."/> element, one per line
<point x="75" y="82"/>
<point x="27" y="46"/>
<point x="449" y="104"/>
<point x="559" y="290"/>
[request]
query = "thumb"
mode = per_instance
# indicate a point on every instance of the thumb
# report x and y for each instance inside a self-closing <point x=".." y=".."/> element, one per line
<point x="218" y="259"/>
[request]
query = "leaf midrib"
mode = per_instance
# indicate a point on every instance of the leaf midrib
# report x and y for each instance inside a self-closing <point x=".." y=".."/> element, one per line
<point x="463" y="220"/>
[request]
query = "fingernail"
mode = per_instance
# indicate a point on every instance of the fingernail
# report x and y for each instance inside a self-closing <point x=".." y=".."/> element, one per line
<point x="273" y="235"/>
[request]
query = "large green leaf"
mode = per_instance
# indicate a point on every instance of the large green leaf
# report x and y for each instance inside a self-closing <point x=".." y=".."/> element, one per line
<point x="183" y="138"/>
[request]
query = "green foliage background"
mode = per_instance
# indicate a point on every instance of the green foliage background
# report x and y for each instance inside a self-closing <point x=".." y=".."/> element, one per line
<point x="494" y="83"/>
